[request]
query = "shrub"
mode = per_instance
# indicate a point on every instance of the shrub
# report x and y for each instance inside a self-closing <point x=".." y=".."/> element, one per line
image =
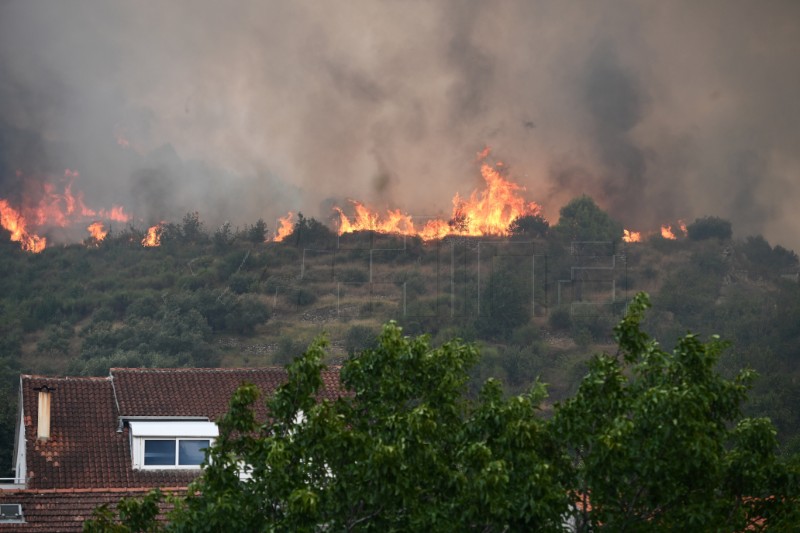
<point x="303" y="296"/>
<point x="359" y="338"/>
<point x="709" y="228"/>
<point x="560" y="319"/>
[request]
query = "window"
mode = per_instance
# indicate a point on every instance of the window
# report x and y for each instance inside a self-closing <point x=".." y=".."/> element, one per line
<point x="11" y="512"/>
<point x="174" y="452"/>
<point x="170" y="444"/>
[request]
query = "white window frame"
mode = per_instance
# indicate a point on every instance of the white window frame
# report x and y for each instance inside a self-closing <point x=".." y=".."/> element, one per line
<point x="169" y="430"/>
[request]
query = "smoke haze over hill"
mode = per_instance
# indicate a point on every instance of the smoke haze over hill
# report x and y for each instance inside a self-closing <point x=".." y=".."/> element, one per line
<point x="250" y="109"/>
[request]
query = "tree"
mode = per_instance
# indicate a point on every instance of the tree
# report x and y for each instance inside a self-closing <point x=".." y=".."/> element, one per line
<point x="192" y="228"/>
<point x="401" y="450"/>
<point x="506" y="301"/>
<point x="651" y="441"/>
<point x="223" y="236"/>
<point x="309" y="232"/>
<point x="529" y="226"/>
<point x="582" y="220"/>
<point x="709" y="228"/>
<point x="658" y="444"/>
<point x="257" y="233"/>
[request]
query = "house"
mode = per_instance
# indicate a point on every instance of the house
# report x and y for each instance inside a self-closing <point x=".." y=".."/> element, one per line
<point x="86" y="441"/>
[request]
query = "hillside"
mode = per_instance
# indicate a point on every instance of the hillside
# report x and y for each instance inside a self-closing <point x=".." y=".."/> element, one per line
<point x="538" y="306"/>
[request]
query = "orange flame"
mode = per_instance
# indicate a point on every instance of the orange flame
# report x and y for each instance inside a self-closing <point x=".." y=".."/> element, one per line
<point x="153" y="237"/>
<point x="669" y="232"/>
<point x="53" y="207"/>
<point x="483" y="154"/>
<point x="287" y="226"/>
<point x="487" y="212"/>
<point x="97" y="231"/>
<point x="631" y="236"/>
<point x="14" y="222"/>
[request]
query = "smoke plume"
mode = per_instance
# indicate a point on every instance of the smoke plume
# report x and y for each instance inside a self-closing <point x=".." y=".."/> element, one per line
<point x="249" y="109"/>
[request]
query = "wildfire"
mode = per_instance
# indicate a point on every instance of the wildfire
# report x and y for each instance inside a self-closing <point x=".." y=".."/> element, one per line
<point x="97" y="231"/>
<point x="153" y="237"/>
<point x="487" y="212"/>
<point x="668" y="233"/>
<point x="286" y="227"/>
<point x="52" y="206"/>
<point x="14" y="222"/>
<point x="631" y="236"/>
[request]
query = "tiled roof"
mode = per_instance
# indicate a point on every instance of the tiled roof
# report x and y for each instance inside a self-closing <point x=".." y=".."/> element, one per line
<point x="86" y="450"/>
<point x="197" y="391"/>
<point x="64" y="510"/>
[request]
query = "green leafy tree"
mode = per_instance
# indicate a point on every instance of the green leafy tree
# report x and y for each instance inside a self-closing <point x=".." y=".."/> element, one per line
<point x="223" y="236"/>
<point x="651" y="441"/>
<point x="309" y="232"/>
<point x="401" y="450"/>
<point x="257" y="233"/>
<point x="657" y="441"/>
<point x="582" y="220"/>
<point x="506" y="301"/>
<point x="709" y="228"/>
<point x="192" y="228"/>
<point x="529" y="226"/>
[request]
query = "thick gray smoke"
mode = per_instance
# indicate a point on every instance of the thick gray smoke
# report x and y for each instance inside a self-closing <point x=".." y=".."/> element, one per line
<point x="248" y="109"/>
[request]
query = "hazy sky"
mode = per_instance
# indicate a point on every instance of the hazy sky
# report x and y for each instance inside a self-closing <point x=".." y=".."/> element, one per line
<point x="241" y="110"/>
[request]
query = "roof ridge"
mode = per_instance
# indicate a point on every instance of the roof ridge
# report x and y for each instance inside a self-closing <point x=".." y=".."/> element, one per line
<point x="65" y="378"/>
<point x="92" y="490"/>
<point x="198" y="369"/>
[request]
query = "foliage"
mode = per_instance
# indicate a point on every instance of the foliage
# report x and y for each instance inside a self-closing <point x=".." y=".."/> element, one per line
<point x="506" y="301"/>
<point x="709" y="228"/>
<point x="766" y="260"/>
<point x="651" y="441"/>
<point x="691" y="289"/>
<point x="135" y="515"/>
<point x="582" y="220"/>
<point x="529" y="226"/>
<point x="359" y="338"/>
<point x="309" y="232"/>
<point x="9" y="377"/>
<point x="192" y="229"/>
<point x="257" y="233"/>
<point x="400" y="451"/>
<point x="560" y="318"/>
<point x="223" y="236"/>
<point x="657" y="441"/>
<point x="303" y="296"/>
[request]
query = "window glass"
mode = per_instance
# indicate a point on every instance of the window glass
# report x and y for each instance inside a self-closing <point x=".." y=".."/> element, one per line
<point x="190" y="452"/>
<point x="159" y="452"/>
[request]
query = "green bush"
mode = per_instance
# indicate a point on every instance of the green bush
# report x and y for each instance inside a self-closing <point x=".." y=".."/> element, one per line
<point x="303" y="296"/>
<point x="359" y="338"/>
<point x="709" y="228"/>
<point x="241" y="283"/>
<point x="560" y="319"/>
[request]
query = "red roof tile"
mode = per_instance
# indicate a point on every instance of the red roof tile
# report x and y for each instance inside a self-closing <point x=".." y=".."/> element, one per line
<point x="64" y="510"/>
<point x="86" y="449"/>
<point x="197" y="391"/>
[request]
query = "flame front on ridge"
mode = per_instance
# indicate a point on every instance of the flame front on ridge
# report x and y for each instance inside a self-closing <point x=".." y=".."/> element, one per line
<point x="489" y="211"/>
<point x="52" y="207"/>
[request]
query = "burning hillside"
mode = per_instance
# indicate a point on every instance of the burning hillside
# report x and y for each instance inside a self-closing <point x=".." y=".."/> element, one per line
<point x="489" y="211"/>
<point x="49" y="204"/>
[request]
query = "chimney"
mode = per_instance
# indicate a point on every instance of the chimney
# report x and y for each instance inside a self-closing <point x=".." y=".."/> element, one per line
<point x="43" y="432"/>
